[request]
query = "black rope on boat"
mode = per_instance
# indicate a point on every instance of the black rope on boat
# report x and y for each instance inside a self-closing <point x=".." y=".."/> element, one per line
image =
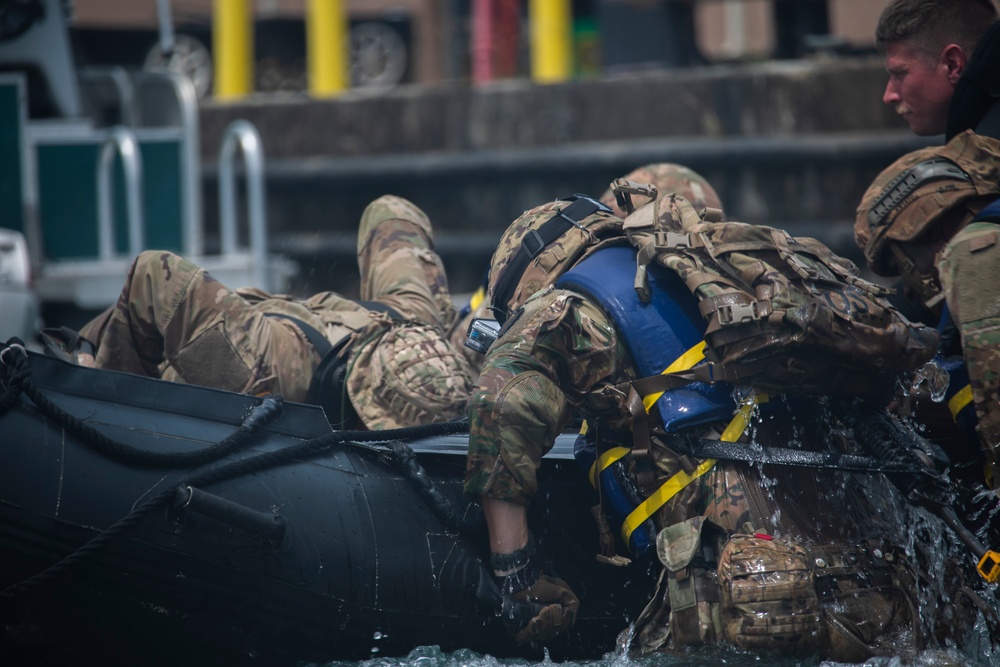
<point x="443" y="508"/>
<point x="17" y="379"/>
<point x="17" y="372"/>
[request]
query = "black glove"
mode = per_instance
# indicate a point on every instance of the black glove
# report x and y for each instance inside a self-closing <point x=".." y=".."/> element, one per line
<point x="536" y="606"/>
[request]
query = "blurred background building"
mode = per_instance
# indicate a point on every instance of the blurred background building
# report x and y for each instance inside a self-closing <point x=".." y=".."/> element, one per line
<point x="211" y="128"/>
<point x="422" y="41"/>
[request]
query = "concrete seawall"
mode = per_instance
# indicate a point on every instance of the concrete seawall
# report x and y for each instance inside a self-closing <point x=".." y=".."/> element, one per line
<point x="789" y="144"/>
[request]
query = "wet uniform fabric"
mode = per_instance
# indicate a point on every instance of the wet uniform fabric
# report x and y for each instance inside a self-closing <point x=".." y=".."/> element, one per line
<point x="969" y="270"/>
<point x="174" y="320"/>
<point x="561" y="356"/>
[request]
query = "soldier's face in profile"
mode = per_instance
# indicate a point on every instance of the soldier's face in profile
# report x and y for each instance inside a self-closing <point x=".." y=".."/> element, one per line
<point x="919" y="88"/>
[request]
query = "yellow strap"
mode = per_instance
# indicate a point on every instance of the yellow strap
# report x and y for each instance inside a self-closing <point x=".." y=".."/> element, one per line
<point x="606" y="459"/>
<point x="960" y="400"/>
<point x="675" y="484"/>
<point x="477" y="298"/>
<point x="684" y="362"/>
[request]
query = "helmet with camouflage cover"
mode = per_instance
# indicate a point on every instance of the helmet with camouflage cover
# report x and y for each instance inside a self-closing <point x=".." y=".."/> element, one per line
<point x="407" y="376"/>
<point x="524" y="262"/>
<point x="669" y="178"/>
<point x="926" y="190"/>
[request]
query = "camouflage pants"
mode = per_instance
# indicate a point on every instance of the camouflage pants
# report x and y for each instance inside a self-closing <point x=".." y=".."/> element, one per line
<point x="398" y="265"/>
<point x="174" y="320"/>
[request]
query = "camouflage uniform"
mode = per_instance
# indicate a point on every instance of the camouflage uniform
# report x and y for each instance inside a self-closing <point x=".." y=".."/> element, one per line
<point x="966" y="268"/>
<point x="559" y="356"/>
<point x="563" y="356"/>
<point x="969" y="270"/>
<point x="556" y="360"/>
<point x="173" y="320"/>
<point x="666" y="176"/>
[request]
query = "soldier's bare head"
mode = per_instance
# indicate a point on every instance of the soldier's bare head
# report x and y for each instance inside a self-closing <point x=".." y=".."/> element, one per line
<point x="929" y="25"/>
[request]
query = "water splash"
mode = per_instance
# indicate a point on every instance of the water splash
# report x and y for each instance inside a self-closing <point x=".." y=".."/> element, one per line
<point x="930" y="380"/>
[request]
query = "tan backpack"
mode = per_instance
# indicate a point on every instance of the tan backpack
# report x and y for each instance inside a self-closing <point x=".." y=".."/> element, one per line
<point x="783" y="314"/>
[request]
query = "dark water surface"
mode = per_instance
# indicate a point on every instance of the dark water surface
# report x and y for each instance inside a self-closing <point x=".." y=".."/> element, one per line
<point x="432" y="656"/>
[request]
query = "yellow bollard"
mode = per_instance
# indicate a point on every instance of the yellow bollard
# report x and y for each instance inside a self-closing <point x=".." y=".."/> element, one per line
<point x="550" y="23"/>
<point x="232" y="33"/>
<point x="327" y="48"/>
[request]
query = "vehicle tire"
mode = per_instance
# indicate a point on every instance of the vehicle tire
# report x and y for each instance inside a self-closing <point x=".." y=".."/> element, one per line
<point x="190" y="57"/>
<point x="16" y="16"/>
<point x="378" y="55"/>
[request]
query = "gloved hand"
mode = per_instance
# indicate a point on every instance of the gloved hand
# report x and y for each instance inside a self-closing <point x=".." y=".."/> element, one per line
<point x="535" y="606"/>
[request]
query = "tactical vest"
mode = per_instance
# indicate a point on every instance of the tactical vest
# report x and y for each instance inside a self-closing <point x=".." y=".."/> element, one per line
<point x="784" y="314"/>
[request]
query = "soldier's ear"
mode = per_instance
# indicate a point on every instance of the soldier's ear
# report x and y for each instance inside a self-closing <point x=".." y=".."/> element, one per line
<point x="954" y="61"/>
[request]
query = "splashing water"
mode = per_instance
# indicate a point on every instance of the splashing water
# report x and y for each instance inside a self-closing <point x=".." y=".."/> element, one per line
<point x="929" y="379"/>
<point x="709" y="656"/>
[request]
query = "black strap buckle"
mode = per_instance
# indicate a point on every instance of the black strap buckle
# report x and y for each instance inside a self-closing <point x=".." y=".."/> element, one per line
<point x="532" y="243"/>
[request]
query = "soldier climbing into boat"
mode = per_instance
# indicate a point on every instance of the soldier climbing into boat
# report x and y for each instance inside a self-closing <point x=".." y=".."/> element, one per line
<point x="378" y="363"/>
<point x="931" y="218"/>
<point x="803" y="560"/>
<point x="664" y="176"/>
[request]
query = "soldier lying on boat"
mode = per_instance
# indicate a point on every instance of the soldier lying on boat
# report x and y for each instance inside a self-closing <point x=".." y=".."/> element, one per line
<point x="382" y="362"/>
<point x="809" y="560"/>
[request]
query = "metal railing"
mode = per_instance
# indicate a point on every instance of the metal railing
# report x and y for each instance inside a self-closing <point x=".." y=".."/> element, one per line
<point x="243" y="134"/>
<point x="122" y="142"/>
<point x="167" y="99"/>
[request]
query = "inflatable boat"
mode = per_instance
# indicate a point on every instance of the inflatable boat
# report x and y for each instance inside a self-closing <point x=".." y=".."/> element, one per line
<point x="148" y="522"/>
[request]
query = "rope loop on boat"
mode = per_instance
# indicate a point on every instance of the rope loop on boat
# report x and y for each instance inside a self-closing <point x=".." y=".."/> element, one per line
<point x="17" y="378"/>
<point x="14" y="370"/>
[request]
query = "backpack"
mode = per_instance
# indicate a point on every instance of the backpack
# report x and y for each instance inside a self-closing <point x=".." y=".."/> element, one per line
<point x="782" y="314"/>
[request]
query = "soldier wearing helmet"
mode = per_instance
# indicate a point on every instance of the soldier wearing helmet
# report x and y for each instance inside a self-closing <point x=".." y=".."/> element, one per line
<point x="664" y="176"/>
<point x="382" y="362"/>
<point x="931" y="218"/>
<point x="573" y="337"/>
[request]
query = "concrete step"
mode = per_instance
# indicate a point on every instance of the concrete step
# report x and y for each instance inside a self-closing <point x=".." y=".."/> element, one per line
<point x="807" y="184"/>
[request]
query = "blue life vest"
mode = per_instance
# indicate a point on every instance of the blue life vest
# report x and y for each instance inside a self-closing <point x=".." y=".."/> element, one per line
<point x="989" y="214"/>
<point x="656" y="334"/>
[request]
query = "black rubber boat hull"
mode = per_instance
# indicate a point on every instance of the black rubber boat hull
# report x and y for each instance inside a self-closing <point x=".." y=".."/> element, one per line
<point x="363" y="565"/>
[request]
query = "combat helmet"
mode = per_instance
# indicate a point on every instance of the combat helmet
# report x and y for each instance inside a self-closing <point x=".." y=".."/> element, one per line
<point x="923" y="190"/>
<point x="542" y="244"/>
<point x="668" y="178"/>
<point x="407" y="375"/>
